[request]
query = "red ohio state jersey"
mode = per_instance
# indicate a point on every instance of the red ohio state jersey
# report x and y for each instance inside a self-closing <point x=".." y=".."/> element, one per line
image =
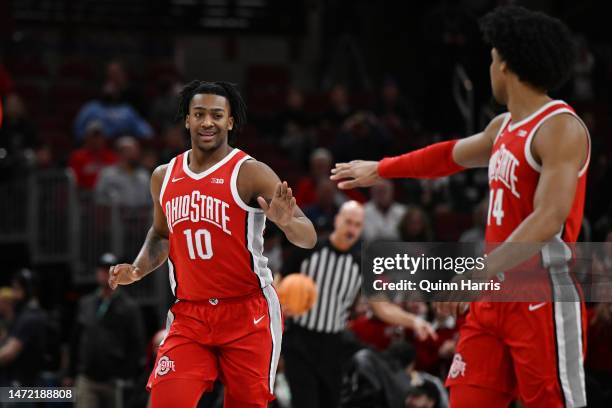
<point x="216" y="240"/>
<point x="514" y="175"/>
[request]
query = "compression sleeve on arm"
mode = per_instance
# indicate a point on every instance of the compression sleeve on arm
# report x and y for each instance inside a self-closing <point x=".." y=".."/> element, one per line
<point x="433" y="161"/>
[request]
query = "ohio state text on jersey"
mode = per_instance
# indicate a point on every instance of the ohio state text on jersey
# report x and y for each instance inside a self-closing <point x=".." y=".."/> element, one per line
<point x="216" y="240"/>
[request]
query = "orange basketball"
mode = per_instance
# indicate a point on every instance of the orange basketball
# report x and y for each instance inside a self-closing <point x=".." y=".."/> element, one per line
<point x="297" y="293"/>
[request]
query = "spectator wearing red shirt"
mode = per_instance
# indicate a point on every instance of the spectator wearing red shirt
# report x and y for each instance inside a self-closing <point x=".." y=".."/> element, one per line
<point x="372" y="331"/>
<point x="92" y="157"/>
<point x="435" y="355"/>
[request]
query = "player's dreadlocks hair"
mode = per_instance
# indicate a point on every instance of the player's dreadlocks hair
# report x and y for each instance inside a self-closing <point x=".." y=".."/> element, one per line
<point x="538" y="48"/>
<point x="225" y="89"/>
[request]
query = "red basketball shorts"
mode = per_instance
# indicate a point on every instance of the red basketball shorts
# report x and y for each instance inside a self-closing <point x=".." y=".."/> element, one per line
<point x="235" y="340"/>
<point x="530" y="351"/>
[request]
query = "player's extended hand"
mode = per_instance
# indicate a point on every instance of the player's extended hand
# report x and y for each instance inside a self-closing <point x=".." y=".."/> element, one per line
<point x="281" y="207"/>
<point x="360" y="172"/>
<point x="123" y="274"/>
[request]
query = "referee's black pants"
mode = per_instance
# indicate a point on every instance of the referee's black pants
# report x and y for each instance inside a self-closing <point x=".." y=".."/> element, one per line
<point x="313" y="366"/>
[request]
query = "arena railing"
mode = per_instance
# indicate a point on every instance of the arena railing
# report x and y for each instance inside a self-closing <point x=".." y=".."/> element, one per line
<point x="62" y="225"/>
<point x="463" y="92"/>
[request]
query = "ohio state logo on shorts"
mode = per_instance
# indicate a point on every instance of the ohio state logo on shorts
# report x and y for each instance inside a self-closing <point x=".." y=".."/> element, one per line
<point x="164" y="365"/>
<point x="458" y="367"/>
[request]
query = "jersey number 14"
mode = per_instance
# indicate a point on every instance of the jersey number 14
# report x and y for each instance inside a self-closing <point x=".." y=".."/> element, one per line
<point x="203" y="245"/>
<point x="496" y="199"/>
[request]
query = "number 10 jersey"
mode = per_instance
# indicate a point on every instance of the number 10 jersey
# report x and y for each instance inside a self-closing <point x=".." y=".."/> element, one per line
<point x="216" y="239"/>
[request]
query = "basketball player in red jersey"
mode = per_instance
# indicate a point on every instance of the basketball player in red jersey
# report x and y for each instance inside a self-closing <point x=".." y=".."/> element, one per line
<point x="210" y="209"/>
<point x="537" y="155"/>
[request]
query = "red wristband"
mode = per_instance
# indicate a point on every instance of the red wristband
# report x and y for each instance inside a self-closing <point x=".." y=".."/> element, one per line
<point x="432" y="161"/>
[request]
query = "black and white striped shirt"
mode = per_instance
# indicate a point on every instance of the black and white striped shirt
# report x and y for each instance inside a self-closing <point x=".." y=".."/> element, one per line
<point x="338" y="279"/>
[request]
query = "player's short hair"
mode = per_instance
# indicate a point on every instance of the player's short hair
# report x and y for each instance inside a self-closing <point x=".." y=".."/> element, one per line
<point x="538" y="48"/>
<point x="221" y="88"/>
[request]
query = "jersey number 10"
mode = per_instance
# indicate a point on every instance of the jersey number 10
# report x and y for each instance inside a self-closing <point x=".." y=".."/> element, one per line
<point x="203" y="246"/>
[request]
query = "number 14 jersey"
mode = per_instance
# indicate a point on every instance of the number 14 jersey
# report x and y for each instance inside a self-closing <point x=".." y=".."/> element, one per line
<point x="216" y="239"/>
<point x="514" y="175"/>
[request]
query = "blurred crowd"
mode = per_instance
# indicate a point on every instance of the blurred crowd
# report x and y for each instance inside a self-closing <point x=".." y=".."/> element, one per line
<point x="115" y="140"/>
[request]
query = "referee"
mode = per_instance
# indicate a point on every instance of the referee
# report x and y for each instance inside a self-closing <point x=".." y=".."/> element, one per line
<point x="314" y="347"/>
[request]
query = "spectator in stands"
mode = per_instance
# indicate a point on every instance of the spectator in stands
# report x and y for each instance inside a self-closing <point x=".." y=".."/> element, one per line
<point x="175" y="143"/>
<point x="293" y="127"/>
<point x="372" y="331"/>
<point x="22" y="356"/>
<point x="126" y="182"/>
<point x="149" y="160"/>
<point x="362" y="137"/>
<point x="422" y="397"/>
<point x="415" y="226"/>
<point x="323" y="211"/>
<point x="294" y="111"/>
<point x="393" y="109"/>
<point x="18" y="137"/>
<point x="297" y="141"/>
<point x="320" y="166"/>
<point x="382" y="213"/>
<point x="435" y="355"/>
<point x="415" y="384"/>
<point x="476" y="234"/>
<point x="108" y="342"/>
<point x="117" y="76"/>
<point x="118" y="118"/>
<point x="88" y="161"/>
<point x="165" y="106"/>
<point x="339" y="108"/>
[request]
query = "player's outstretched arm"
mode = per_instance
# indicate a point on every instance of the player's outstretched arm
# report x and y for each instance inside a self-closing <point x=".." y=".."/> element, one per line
<point x="436" y="160"/>
<point x="257" y="181"/>
<point x="155" y="249"/>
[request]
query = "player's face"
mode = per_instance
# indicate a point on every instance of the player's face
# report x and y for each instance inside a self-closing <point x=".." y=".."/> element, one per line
<point x="209" y="121"/>
<point x="496" y="70"/>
